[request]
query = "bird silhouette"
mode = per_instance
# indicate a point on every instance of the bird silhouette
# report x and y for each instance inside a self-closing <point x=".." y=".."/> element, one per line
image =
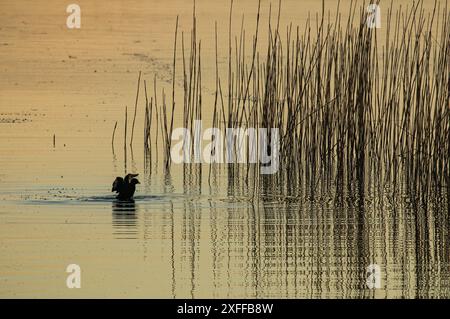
<point x="125" y="187"/>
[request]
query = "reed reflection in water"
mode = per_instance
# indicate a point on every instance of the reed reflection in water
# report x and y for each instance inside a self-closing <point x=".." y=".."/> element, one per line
<point x="306" y="242"/>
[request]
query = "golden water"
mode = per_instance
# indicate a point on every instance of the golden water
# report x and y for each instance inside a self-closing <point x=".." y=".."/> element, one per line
<point x="182" y="238"/>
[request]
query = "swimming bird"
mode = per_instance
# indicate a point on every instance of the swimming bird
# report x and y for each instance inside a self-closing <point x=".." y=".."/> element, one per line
<point x="125" y="187"/>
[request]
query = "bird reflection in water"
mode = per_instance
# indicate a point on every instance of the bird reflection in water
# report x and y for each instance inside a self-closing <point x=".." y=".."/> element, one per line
<point x="124" y="219"/>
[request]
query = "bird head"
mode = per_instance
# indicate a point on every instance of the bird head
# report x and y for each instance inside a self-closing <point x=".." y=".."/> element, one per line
<point x="130" y="177"/>
<point x="134" y="181"/>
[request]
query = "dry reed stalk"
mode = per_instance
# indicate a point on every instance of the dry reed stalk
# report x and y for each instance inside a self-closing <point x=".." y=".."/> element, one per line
<point x="345" y="106"/>
<point x="113" y="134"/>
<point x="135" y="108"/>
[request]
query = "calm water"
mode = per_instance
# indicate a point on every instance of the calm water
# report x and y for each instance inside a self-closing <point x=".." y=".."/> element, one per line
<point x="185" y="235"/>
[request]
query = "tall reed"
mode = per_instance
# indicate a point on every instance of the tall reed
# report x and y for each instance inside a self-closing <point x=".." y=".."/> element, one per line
<point x="345" y="104"/>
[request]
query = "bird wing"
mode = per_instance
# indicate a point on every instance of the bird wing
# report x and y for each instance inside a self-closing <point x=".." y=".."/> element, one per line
<point x="117" y="185"/>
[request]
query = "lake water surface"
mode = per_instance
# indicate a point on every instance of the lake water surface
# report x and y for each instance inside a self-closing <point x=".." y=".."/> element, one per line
<point x="186" y="235"/>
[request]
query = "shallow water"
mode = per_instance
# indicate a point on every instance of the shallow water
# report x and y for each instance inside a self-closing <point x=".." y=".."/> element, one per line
<point x="184" y="235"/>
<point x="182" y="240"/>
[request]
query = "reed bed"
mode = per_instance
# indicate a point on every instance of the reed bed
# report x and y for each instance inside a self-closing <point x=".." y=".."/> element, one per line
<point x="346" y="105"/>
